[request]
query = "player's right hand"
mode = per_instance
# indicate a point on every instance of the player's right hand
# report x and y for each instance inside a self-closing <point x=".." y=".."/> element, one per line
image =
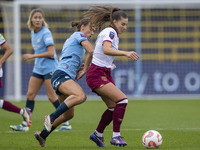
<point x="133" y="55"/>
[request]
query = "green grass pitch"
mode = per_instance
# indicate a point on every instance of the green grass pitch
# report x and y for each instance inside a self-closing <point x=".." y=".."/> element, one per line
<point x="178" y="121"/>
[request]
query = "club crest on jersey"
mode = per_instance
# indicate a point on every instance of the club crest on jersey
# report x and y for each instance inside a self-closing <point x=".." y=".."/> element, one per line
<point x="112" y="35"/>
<point x="82" y="35"/>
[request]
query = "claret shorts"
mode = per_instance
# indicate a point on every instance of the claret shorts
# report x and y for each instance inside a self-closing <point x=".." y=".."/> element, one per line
<point x="98" y="76"/>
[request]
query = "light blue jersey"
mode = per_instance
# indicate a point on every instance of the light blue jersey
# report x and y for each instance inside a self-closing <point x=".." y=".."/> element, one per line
<point x="72" y="54"/>
<point x="40" y="41"/>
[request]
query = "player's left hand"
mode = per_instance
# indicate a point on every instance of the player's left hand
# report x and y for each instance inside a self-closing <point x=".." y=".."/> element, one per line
<point x="80" y="74"/>
<point x="27" y="56"/>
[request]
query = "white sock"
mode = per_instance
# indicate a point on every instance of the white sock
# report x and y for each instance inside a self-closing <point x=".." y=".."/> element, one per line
<point x="98" y="133"/>
<point x="21" y="111"/>
<point x="25" y="123"/>
<point x="116" y="134"/>
<point x="1" y="103"/>
<point x="66" y="123"/>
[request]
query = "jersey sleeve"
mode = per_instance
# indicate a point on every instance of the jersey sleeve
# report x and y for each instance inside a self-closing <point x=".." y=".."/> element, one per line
<point x="48" y="39"/>
<point x="109" y="35"/>
<point x="1" y="72"/>
<point x="81" y="37"/>
<point x="2" y="40"/>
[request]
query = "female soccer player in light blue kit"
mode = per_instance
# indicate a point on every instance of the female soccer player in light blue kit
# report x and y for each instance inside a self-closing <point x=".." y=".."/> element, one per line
<point x="63" y="80"/>
<point x="45" y="62"/>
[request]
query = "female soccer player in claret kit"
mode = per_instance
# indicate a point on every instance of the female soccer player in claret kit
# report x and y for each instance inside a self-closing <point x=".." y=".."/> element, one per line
<point x="6" y="105"/>
<point x="99" y="77"/>
<point x="63" y="80"/>
<point x="44" y="66"/>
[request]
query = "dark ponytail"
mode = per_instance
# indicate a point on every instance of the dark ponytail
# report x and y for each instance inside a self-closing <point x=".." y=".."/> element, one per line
<point x="99" y="15"/>
<point x="78" y="24"/>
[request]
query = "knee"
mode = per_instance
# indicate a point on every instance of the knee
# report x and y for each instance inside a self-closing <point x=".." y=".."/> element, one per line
<point x="30" y="95"/>
<point x="52" y="99"/>
<point x="81" y="98"/>
<point x="110" y="104"/>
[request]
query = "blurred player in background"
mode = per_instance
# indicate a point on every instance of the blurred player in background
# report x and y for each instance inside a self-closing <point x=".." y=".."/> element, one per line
<point x="6" y="105"/>
<point x="45" y="63"/>
<point x="63" y="80"/>
<point x="99" y="77"/>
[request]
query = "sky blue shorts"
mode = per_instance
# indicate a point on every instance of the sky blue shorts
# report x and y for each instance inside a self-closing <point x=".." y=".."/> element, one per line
<point x="58" y="78"/>
<point x="46" y="76"/>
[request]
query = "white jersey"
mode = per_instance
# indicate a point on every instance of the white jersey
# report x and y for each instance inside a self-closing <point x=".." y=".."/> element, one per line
<point x="99" y="58"/>
<point x="2" y="40"/>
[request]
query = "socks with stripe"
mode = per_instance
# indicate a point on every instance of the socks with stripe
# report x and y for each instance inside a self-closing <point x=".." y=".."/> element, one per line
<point x="10" y="107"/>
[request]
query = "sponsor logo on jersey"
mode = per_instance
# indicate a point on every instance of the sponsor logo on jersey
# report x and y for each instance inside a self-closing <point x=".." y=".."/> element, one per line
<point x="82" y="35"/>
<point x="112" y="35"/>
<point x="38" y="40"/>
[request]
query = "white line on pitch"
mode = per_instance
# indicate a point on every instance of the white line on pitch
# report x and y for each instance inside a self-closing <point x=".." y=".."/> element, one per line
<point x="159" y="129"/>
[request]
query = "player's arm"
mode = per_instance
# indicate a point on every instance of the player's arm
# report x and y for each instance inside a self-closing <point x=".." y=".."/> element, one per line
<point x="49" y="53"/>
<point x="8" y="52"/>
<point x="108" y="50"/>
<point x="89" y="48"/>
